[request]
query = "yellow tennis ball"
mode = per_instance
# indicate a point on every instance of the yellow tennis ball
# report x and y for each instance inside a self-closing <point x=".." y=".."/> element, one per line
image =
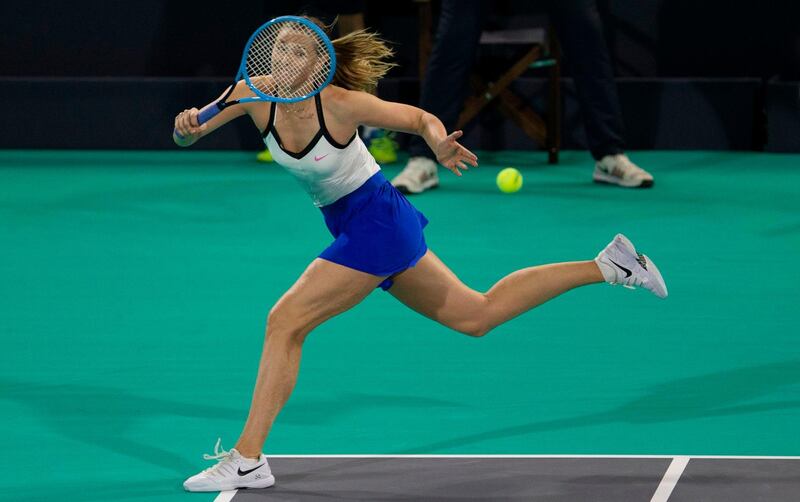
<point x="509" y="180"/>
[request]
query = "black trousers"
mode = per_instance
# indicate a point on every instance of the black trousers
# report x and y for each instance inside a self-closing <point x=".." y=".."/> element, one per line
<point x="579" y="30"/>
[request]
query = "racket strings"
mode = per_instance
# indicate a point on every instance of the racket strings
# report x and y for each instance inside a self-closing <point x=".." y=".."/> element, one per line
<point x="288" y="60"/>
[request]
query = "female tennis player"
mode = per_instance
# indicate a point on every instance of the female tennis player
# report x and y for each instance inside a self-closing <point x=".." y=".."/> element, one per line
<point x="378" y="237"/>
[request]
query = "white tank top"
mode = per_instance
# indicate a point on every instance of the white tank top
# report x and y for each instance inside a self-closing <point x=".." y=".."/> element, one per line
<point x="326" y="169"/>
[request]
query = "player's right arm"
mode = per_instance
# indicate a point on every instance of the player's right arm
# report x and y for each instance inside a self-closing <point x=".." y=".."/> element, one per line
<point x="187" y="126"/>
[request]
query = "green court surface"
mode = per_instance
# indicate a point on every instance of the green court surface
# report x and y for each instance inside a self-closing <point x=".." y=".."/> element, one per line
<point x="135" y="287"/>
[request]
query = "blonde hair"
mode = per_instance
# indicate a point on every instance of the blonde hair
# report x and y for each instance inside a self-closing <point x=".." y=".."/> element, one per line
<point x="362" y="58"/>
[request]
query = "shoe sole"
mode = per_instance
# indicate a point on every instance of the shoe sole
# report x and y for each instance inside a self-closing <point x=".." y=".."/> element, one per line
<point x="607" y="179"/>
<point x="265" y="483"/>
<point x="661" y="290"/>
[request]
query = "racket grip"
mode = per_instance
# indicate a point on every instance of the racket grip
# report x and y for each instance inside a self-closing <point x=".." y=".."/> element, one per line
<point x="207" y="113"/>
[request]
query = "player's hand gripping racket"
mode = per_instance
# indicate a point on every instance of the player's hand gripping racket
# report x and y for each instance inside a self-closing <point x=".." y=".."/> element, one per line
<point x="287" y="59"/>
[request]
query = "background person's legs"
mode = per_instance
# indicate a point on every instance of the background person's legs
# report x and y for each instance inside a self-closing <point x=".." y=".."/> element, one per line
<point x="445" y="85"/>
<point x="580" y="32"/>
<point x="446" y="80"/>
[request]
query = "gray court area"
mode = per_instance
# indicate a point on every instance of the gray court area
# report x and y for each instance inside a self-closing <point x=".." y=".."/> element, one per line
<point x="512" y="479"/>
<point x="712" y="480"/>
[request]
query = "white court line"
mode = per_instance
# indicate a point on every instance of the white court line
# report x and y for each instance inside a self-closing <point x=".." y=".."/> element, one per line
<point x="225" y="496"/>
<point x="720" y="457"/>
<point x="670" y="479"/>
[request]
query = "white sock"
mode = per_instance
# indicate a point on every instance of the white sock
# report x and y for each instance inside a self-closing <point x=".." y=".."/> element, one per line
<point x="248" y="460"/>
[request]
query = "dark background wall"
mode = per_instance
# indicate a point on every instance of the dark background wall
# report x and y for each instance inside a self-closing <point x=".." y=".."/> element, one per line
<point x="647" y="38"/>
<point x="692" y="74"/>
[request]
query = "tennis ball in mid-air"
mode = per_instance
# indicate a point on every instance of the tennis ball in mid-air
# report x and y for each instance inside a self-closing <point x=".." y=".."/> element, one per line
<point x="509" y="180"/>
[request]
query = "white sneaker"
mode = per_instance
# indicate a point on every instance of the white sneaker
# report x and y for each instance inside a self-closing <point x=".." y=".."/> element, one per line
<point x="619" y="170"/>
<point x="621" y="264"/>
<point x="231" y="472"/>
<point x="419" y="175"/>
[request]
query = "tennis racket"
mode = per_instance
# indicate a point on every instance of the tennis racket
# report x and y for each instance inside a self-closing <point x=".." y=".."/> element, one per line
<point x="286" y="60"/>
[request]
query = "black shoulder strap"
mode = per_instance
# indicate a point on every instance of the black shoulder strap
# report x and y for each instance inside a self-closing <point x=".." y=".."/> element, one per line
<point x="270" y="121"/>
<point x="321" y="117"/>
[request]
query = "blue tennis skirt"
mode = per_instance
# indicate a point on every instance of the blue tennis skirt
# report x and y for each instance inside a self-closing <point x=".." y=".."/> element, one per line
<point x="376" y="230"/>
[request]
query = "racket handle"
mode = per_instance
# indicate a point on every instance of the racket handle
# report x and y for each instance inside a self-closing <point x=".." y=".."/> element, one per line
<point x="207" y="113"/>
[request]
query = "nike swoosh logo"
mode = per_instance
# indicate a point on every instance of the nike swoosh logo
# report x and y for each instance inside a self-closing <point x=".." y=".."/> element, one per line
<point x="245" y="473"/>
<point x="317" y="158"/>
<point x="622" y="268"/>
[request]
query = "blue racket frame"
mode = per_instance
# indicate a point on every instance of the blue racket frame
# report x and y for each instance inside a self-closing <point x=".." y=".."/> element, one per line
<point x="210" y="111"/>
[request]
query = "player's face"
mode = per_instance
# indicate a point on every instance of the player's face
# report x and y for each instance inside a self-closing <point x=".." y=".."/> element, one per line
<point x="294" y="58"/>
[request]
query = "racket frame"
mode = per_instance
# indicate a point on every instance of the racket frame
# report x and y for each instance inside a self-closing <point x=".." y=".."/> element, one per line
<point x="212" y="109"/>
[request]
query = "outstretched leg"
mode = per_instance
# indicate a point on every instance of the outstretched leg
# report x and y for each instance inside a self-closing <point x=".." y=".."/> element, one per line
<point x="433" y="290"/>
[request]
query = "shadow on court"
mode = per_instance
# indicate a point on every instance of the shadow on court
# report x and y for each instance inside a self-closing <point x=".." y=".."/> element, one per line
<point x="99" y="489"/>
<point x="713" y="395"/>
<point x="782" y="230"/>
<point x="314" y="412"/>
<point x="100" y="416"/>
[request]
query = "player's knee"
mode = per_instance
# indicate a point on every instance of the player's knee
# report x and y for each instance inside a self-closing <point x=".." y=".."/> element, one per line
<point x="476" y="324"/>
<point x="281" y="324"/>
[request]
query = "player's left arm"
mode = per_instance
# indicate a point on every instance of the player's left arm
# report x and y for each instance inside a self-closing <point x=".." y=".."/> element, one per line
<point x="361" y="108"/>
